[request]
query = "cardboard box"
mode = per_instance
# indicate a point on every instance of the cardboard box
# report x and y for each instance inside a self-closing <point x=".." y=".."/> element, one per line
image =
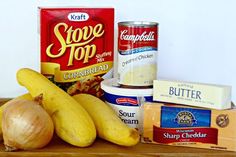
<point x="194" y="94"/>
<point x="77" y="47"/>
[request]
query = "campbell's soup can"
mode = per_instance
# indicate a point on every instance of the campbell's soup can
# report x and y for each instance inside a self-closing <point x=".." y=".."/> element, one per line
<point x="137" y="53"/>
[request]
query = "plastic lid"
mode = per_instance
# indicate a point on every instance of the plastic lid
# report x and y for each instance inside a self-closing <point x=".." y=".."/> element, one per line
<point x="111" y="86"/>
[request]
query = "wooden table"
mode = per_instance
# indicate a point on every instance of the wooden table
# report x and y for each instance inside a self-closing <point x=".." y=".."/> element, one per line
<point x="101" y="148"/>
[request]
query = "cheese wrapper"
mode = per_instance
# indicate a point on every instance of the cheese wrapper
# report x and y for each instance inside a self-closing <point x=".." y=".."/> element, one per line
<point x="188" y="126"/>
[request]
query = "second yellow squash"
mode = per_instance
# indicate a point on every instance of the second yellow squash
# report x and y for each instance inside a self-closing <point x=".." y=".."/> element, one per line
<point x="108" y="124"/>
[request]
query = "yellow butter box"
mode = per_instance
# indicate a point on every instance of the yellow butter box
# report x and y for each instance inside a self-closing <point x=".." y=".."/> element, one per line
<point x="196" y="94"/>
<point x="188" y="126"/>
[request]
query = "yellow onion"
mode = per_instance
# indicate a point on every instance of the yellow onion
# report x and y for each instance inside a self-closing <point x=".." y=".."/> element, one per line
<point x="26" y="125"/>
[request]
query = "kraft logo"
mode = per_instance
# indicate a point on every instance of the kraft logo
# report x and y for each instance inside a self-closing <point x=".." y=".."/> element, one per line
<point x="78" y="16"/>
<point x="127" y="100"/>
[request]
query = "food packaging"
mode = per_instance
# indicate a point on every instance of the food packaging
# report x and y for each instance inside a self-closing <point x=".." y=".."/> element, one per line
<point x="189" y="126"/>
<point x="197" y="94"/>
<point x="77" y="47"/>
<point x="126" y="102"/>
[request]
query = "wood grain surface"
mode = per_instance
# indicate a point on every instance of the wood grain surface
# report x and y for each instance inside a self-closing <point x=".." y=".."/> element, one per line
<point x="103" y="148"/>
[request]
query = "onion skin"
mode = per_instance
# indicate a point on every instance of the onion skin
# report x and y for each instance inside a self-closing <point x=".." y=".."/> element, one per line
<point x="25" y="125"/>
<point x="26" y="96"/>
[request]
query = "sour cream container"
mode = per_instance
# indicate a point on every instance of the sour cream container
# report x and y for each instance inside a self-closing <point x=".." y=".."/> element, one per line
<point x="126" y="102"/>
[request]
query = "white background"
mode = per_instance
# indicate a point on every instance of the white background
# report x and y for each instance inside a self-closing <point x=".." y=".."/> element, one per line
<point x="196" y="37"/>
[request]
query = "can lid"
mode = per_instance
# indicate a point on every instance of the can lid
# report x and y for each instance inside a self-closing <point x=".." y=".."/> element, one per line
<point x="138" y="24"/>
<point x="111" y="86"/>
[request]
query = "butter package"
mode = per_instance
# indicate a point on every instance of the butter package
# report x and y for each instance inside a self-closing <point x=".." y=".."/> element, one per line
<point x="188" y="126"/>
<point x="77" y="47"/>
<point x="196" y="94"/>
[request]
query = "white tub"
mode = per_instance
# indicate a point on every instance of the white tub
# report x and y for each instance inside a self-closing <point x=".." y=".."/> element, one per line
<point x="125" y="101"/>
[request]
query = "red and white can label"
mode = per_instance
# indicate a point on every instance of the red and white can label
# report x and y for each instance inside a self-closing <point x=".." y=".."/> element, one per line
<point x="137" y="53"/>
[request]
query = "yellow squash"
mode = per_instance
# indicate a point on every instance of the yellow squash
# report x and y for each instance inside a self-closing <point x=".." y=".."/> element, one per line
<point x="108" y="124"/>
<point x="72" y="123"/>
